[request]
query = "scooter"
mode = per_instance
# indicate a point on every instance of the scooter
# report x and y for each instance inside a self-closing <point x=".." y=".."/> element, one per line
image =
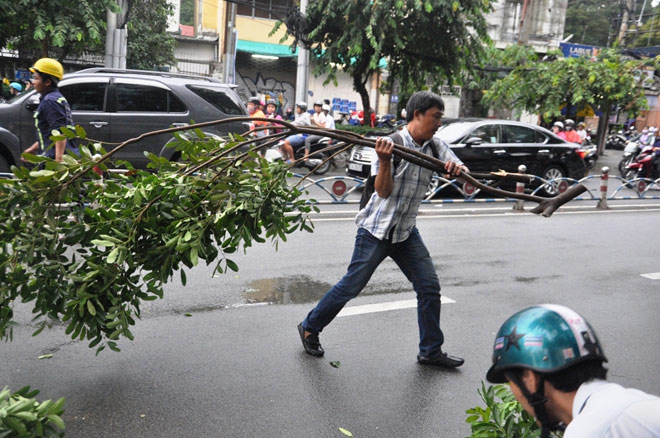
<point x="643" y="165"/>
<point x="629" y="154"/>
<point x="588" y="152"/>
<point x="616" y="141"/>
<point x="318" y="159"/>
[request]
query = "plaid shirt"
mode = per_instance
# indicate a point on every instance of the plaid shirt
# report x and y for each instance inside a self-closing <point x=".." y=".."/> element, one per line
<point x="411" y="181"/>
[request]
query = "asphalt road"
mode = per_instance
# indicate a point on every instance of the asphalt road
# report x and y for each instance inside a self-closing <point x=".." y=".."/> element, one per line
<point x="235" y="368"/>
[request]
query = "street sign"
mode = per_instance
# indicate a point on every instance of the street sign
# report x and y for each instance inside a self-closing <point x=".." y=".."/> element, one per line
<point x="339" y="187"/>
<point x="562" y="186"/>
<point x="468" y="189"/>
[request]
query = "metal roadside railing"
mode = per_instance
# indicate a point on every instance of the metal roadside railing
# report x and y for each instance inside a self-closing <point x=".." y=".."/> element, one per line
<point x="345" y="189"/>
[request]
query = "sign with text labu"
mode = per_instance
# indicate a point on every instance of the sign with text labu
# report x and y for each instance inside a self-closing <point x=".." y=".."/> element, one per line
<point x="577" y="50"/>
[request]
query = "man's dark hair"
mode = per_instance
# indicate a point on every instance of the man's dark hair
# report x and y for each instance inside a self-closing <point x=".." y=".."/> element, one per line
<point x="46" y="77"/>
<point x="569" y="379"/>
<point x="422" y="101"/>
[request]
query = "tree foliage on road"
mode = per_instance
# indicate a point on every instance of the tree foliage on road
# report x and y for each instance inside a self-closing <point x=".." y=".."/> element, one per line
<point x="89" y="253"/>
<point x="53" y="27"/>
<point x="548" y="85"/>
<point x="428" y="41"/>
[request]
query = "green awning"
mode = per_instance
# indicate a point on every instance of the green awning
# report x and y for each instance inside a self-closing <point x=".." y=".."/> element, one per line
<point x="269" y="49"/>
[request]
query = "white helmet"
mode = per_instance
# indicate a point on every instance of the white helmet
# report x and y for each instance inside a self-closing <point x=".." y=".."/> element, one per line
<point x="326" y="107"/>
<point x="559" y="124"/>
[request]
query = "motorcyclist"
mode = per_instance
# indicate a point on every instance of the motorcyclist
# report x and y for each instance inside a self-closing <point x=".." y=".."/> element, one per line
<point x="271" y="113"/>
<point x="644" y="138"/>
<point x="571" y="135"/>
<point x="553" y="361"/>
<point x="15" y="88"/>
<point x="582" y="132"/>
<point x="329" y="123"/>
<point x="296" y="141"/>
<point x="558" y="129"/>
<point x="254" y="110"/>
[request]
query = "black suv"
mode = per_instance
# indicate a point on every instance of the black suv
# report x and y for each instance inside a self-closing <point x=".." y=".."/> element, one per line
<point x="116" y="105"/>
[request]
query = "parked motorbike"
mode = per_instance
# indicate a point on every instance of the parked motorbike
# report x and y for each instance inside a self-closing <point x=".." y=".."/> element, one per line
<point x="616" y="141"/>
<point x="643" y="166"/>
<point x="629" y="154"/>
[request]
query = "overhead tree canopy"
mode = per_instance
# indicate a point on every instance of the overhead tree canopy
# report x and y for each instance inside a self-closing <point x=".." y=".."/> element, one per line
<point x="591" y="21"/>
<point x="149" y="44"/>
<point x="55" y="27"/>
<point x="423" y="42"/>
<point x="547" y="86"/>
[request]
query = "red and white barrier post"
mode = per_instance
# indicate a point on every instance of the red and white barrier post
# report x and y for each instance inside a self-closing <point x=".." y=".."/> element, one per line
<point x="602" y="202"/>
<point x="520" y="188"/>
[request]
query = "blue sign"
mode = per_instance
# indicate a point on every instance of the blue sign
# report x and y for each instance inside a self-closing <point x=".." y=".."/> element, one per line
<point x="577" y="50"/>
<point x="22" y="74"/>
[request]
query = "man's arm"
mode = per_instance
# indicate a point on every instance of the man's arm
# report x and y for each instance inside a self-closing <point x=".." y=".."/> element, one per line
<point x="31" y="150"/>
<point x="384" y="183"/>
<point x="60" y="147"/>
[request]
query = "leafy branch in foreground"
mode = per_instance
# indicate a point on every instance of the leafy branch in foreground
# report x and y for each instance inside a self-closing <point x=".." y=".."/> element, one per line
<point x="22" y="416"/>
<point x="88" y="251"/>
<point x="503" y="416"/>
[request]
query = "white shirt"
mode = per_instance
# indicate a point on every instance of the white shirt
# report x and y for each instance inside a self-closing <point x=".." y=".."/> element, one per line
<point x="411" y="181"/>
<point x="319" y="118"/>
<point x="302" y="119"/>
<point x="329" y="122"/>
<point x="608" y="410"/>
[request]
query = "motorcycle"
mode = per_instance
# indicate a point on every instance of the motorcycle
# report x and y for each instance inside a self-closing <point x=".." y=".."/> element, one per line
<point x="317" y="156"/>
<point x="589" y="154"/>
<point x="629" y="154"/>
<point x="643" y="165"/>
<point x="616" y="141"/>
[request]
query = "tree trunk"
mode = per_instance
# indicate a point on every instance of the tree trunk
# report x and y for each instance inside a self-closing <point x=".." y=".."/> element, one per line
<point x="360" y="86"/>
<point x="601" y="135"/>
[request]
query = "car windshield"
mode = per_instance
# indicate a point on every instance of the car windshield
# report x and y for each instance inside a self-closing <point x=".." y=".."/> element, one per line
<point x="454" y="131"/>
<point x="218" y="98"/>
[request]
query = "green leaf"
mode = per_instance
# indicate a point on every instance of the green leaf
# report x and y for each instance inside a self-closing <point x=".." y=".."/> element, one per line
<point x="112" y="257"/>
<point x="90" y="308"/>
<point x="335" y="363"/>
<point x="187" y="314"/>
<point x="45" y="356"/>
<point x="345" y="432"/>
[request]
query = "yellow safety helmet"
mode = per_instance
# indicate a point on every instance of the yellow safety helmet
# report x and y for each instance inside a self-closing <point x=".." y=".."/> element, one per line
<point x="48" y="66"/>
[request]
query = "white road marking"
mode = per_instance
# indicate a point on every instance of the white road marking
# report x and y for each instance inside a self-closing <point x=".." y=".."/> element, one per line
<point x="652" y="276"/>
<point x="385" y="307"/>
<point x="508" y="214"/>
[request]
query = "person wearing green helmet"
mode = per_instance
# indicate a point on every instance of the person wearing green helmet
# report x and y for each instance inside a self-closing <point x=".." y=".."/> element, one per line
<point x="552" y="359"/>
<point x="53" y="111"/>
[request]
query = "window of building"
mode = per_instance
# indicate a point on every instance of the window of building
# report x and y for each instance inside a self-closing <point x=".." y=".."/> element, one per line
<point x="187" y="13"/>
<point x="271" y="9"/>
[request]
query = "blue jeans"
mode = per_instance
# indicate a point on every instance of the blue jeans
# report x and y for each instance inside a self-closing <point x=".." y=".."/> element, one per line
<point x="413" y="259"/>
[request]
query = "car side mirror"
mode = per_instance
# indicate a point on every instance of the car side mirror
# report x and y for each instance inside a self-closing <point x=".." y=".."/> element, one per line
<point x="32" y="102"/>
<point x="473" y="141"/>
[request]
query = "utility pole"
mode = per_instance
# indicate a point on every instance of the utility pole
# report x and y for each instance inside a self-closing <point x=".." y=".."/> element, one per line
<point x="229" y="73"/>
<point x="628" y="7"/>
<point x="302" y="73"/>
<point x="116" y="39"/>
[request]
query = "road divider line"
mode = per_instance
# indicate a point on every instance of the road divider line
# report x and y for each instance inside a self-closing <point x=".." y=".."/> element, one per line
<point x="385" y="307"/>
<point x="652" y="276"/>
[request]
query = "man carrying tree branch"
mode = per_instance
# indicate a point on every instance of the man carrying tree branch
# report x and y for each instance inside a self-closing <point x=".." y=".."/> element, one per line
<point x="386" y="228"/>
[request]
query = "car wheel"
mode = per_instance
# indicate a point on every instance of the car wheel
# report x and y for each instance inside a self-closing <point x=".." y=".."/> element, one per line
<point x="433" y="185"/>
<point x="552" y="172"/>
<point x="323" y="169"/>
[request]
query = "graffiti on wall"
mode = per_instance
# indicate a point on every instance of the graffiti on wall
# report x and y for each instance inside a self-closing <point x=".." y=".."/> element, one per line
<point x="282" y="91"/>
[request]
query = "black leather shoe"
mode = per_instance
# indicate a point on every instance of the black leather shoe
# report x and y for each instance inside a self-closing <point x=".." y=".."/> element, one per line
<point x="310" y="343"/>
<point x="441" y="360"/>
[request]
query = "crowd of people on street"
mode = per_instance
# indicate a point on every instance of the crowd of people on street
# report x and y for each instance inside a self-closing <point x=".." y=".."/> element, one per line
<point x="566" y="130"/>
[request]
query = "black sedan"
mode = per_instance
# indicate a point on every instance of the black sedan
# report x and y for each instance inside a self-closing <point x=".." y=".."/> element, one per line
<point x="489" y="145"/>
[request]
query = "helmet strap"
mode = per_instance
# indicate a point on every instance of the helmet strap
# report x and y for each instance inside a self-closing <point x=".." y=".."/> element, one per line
<point x="537" y="401"/>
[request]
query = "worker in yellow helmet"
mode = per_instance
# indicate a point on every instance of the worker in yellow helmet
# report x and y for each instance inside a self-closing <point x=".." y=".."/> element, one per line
<point x="53" y="112"/>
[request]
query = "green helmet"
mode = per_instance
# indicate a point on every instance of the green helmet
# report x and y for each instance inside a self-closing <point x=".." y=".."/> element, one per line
<point x="546" y="339"/>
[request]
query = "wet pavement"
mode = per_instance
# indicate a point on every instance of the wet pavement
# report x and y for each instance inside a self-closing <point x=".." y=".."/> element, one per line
<point x="235" y="366"/>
